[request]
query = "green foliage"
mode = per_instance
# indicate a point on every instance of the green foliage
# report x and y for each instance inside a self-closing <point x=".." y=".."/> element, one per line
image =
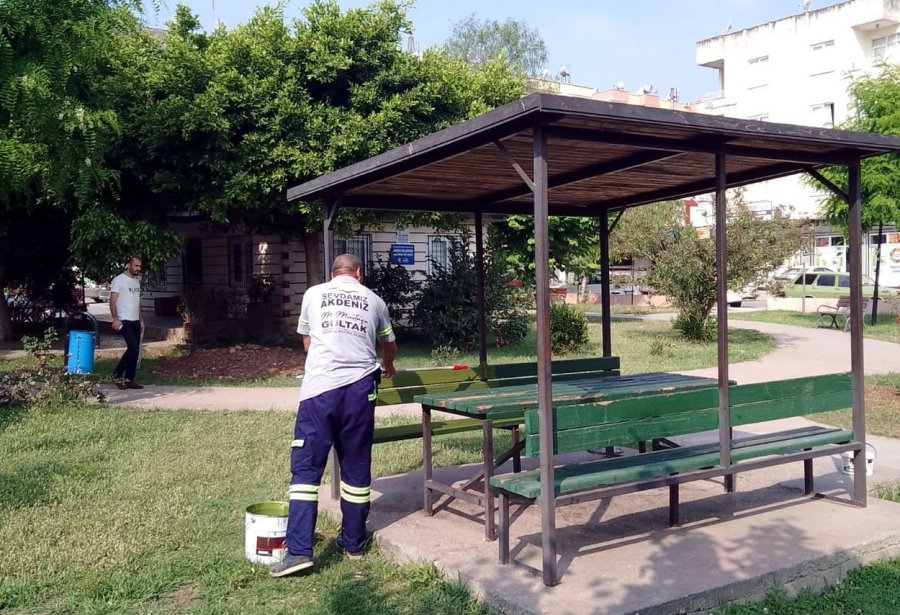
<point x="568" y="329"/>
<point x="478" y="41"/>
<point x="446" y="313"/>
<point x="261" y="288"/>
<point x="44" y="386"/>
<point x="875" y="103"/>
<point x="444" y="355"/>
<point x="447" y="310"/>
<point x="102" y="240"/>
<point x="394" y="284"/>
<point x="573" y="243"/>
<point x="684" y="266"/>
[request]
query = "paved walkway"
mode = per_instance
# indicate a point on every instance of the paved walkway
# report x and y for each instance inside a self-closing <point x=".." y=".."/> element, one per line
<point x="800" y="352"/>
<point x="617" y="556"/>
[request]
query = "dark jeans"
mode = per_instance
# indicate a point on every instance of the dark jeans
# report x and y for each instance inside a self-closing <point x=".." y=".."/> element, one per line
<point x="131" y="331"/>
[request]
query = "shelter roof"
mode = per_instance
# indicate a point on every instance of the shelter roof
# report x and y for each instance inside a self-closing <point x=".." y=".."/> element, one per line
<point x="600" y="155"/>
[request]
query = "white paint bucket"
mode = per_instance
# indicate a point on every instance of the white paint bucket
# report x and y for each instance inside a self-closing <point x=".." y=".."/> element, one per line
<point x="847" y="460"/>
<point x="265" y="528"/>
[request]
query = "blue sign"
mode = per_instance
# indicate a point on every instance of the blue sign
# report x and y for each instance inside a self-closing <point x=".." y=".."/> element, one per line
<point x="403" y="254"/>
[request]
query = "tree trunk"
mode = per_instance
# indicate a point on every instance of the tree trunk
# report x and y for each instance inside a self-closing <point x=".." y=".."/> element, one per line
<point x="6" y="333"/>
<point x="314" y="266"/>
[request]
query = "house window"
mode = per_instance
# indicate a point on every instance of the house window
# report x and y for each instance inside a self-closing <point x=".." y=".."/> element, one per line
<point x="157" y="279"/>
<point x="240" y="260"/>
<point x="885" y="46"/>
<point x="438" y="254"/>
<point x="823" y="114"/>
<point x="758" y="72"/>
<point x="359" y="246"/>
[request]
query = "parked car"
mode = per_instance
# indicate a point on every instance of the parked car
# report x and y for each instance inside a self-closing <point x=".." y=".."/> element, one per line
<point x="792" y="273"/>
<point x="733" y="298"/>
<point x="830" y="286"/>
<point x="103" y="293"/>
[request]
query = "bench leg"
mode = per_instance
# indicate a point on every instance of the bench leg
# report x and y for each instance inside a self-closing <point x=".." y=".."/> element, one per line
<point x="730" y="483"/>
<point x="517" y="457"/>
<point x="426" y="460"/>
<point x="487" y="455"/>
<point x="503" y="530"/>
<point x="808" y="476"/>
<point x="674" y="517"/>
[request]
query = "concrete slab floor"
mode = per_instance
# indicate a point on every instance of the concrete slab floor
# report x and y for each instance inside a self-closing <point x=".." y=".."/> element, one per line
<point x="618" y="555"/>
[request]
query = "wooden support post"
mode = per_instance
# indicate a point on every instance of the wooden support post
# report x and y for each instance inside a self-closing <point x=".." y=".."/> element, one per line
<point x="854" y="250"/>
<point x="544" y="381"/>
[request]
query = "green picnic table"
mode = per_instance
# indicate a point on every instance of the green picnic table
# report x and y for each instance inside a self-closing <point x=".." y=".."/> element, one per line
<point x="505" y="407"/>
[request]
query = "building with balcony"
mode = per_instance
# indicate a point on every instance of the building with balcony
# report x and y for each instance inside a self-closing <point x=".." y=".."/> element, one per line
<point x="796" y="70"/>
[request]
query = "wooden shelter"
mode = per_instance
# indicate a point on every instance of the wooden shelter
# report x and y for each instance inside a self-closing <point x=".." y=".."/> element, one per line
<point x="548" y="155"/>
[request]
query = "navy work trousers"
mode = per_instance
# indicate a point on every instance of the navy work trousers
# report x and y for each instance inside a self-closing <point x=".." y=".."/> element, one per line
<point x="127" y="367"/>
<point x="345" y="418"/>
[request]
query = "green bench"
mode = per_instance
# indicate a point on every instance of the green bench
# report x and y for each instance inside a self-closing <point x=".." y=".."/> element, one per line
<point x="658" y="417"/>
<point x="406" y="384"/>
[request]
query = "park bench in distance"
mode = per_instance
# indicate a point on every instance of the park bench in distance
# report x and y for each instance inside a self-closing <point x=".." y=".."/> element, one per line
<point x="841" y="310"/>
<point x="406" y="384"/>
<point x="624" y="421"/>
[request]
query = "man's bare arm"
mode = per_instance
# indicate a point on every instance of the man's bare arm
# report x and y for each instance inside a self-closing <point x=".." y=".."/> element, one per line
<point x="388" y="353"/>
<point x="114" y="311"/>
<point x="306" y="343"/>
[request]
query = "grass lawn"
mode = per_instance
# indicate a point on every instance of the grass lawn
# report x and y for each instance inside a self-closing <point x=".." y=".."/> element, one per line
<point x="106" y="510"/>
<point x="887" y="329"/>
<point x="643" y="346"/>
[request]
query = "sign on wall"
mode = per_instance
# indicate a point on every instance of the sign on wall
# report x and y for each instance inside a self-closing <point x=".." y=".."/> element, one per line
<point x="403" y="253"/>
<point x="402" y="235"/>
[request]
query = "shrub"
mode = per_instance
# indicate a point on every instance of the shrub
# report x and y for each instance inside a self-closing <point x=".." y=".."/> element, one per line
<point x="446" y="313"/>
<point x="568" y="329"/>
<point x="512" y="330"/>
<point x="444" y="355"/>
<point x="394" y="284"/>
<point x="44" y="385"/>
<point x="448" y="308"/>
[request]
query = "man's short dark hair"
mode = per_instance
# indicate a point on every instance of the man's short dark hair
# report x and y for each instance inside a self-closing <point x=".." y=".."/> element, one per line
<point x="345" y="264"/>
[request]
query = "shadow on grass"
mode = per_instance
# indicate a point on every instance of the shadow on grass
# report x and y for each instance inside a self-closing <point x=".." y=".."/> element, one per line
<point x="10" y="415"/>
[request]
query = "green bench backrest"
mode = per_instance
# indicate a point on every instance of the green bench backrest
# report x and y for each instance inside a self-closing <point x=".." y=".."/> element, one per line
<point x="623" y="421"/>
<point x="405" y="385"/>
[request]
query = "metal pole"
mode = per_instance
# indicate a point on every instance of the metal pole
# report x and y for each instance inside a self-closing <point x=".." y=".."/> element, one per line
<point x="604" y="284"/>
<point x="854" y="250"/>
<point x="877" y="273"/>
<point x="722" y="320"/>
<point x="479" y="283"/>
<point x="544" y="382"/>
<point x="329" y="211"/>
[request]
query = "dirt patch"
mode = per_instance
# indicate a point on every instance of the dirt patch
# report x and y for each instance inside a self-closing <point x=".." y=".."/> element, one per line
<point x="240" y="362"/>
<point x="181" y="599"/>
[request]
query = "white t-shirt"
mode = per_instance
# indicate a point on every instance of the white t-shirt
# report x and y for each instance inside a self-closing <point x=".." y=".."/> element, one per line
<point x="343" y="319"/>
<point x="128" y="304"/>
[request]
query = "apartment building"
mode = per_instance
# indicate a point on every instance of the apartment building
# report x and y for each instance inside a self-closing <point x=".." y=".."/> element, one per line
<point x="796" y="70"/>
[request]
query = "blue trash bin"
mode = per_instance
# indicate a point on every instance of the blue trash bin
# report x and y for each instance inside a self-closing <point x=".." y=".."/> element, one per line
<point x="81" y="352"/>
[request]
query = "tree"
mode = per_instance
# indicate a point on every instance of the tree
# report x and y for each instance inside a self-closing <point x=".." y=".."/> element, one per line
<point x="54" y="126"/>
<point x="875" y="107"/>
<point x="684" y="266"/>
<point x="223" y="123"/>
<point x="479" y="41"/>
<point x="574" y="243"/>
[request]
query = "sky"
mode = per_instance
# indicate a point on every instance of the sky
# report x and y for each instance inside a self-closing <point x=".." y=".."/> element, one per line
<point x="602" y="42"/>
